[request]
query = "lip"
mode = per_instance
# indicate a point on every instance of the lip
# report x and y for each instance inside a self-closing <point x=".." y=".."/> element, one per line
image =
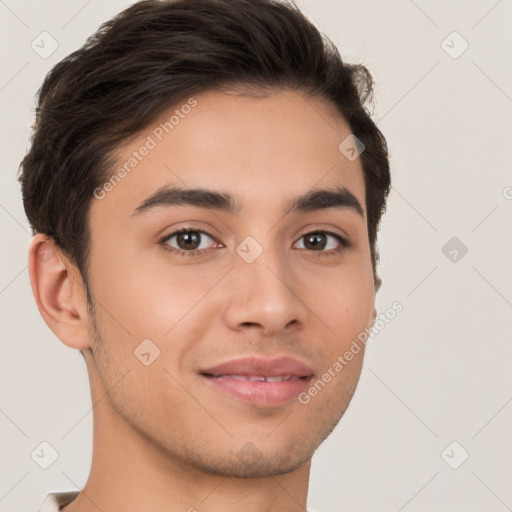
<point x="260" y="366"/>
<point x="228" y="377"/>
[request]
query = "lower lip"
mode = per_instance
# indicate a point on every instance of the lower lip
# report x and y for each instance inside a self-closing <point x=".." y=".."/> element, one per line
<point x="260" y="393"/>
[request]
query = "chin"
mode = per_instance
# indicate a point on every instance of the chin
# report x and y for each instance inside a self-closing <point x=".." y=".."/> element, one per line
<point x="261" y="468"/>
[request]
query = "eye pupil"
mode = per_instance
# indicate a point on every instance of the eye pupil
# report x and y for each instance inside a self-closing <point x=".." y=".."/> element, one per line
<point x="186" y="238"/>
<point x="315" y="244"/>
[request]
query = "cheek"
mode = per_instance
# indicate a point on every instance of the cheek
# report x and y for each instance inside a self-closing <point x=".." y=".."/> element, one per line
<point x="343" y="299"/>
<point x="141" y="299"/>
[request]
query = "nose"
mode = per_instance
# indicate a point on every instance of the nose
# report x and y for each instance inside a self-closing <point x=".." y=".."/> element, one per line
<point x="264" y="296"/>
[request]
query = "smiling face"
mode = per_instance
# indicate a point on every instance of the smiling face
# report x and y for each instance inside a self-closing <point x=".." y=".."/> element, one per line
<point x="252" y="276"/>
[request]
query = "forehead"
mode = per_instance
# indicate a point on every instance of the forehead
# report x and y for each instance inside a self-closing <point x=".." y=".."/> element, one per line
<point x="262" y="150"/>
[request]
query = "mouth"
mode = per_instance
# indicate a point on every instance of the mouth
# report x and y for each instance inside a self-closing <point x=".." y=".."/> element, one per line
<point x="259" y="382"/>
<point x="256" y="378"/>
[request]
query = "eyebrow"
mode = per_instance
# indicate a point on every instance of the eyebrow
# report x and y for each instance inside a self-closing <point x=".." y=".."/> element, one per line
<point x="314" y="200"/>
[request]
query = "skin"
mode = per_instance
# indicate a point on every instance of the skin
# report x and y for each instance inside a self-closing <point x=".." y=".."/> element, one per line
<point x="163" y="440"/>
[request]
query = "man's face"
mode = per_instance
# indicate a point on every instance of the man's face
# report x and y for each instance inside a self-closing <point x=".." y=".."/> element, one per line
<point x="261" y="283"/>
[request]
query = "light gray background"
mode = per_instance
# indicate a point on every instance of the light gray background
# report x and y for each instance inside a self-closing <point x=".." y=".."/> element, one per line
<point x="438" y="373"/>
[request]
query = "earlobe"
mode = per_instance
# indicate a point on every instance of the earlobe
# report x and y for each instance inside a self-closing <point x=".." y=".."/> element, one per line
<point x="59" y="292"/>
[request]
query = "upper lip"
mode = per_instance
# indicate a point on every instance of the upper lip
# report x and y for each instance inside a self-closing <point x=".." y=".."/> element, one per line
<point x="279" y="366"/>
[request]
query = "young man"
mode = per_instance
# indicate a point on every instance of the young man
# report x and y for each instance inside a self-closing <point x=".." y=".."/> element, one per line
<point x="205" y="187"/>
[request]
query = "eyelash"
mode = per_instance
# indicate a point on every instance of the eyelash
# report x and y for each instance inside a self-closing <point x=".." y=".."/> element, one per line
<point x="345" y="244"/>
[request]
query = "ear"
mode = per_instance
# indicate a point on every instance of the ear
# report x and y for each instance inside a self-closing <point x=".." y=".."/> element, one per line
<point x="59" y="291"/>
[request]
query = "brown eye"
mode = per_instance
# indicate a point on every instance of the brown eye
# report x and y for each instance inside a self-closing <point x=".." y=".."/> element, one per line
<point x="318" y="241"/>
<point x="315" y="241"/>
<point x="187" y="241"/>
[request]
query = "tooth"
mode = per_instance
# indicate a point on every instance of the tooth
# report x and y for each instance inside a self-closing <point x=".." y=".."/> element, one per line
<point x="275" y="379"/>
<point x="257" y="378"/>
